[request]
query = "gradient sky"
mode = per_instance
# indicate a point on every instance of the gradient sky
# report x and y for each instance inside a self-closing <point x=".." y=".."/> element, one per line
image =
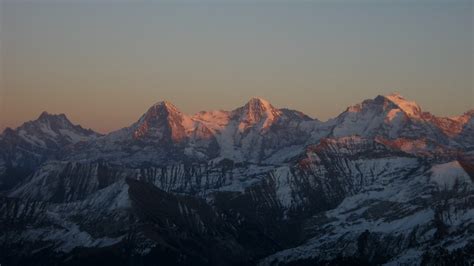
<point x="104" y="62"/>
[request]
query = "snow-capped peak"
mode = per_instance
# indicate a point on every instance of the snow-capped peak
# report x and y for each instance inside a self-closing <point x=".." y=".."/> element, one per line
<point x="50" y="131"/>
<point x="411" y="108"/>
<point x="163" y="119"/>
<point x="257" y="101"/>
<point x="256" y="111"/>
<point x="165" y="105"/>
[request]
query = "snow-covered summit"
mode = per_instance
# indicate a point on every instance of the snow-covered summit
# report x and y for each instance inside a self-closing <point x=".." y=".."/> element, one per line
<point x="256" y="131"/>
<point x="162" y="121"/>
<point x="49" y="130"/>
<point x="256" y="112"/>
<point x="166" y="105"/>
<point x="411" y="108"/>
<point x="390" y="116"/>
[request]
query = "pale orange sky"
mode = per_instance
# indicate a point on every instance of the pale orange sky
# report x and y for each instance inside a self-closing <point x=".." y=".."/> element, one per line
<point x="104" y="64"/>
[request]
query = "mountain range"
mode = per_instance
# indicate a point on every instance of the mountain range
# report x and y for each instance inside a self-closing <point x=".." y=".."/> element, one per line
<point x="382" y="183"/>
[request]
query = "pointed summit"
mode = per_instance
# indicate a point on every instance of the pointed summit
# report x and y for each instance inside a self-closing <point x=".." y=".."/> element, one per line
<point x="161" y="112"/>
<point x="256" y="111"/>
<point x="50" y="131"/>
<point x="165" y="103"/>
<point x="44" y="115"/>
<point x="257" y="107"/>
<point x="258" y="102"/>
<point x="166" y="106"/>
<point x="389" y="116"/>
<point x="162" y="120"/>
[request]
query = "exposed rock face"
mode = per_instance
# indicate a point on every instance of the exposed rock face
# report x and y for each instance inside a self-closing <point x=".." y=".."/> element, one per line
<point x="383" y="183"/>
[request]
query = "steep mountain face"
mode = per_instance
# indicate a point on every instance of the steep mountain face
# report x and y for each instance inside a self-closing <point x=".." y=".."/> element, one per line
<point x="49" y="131"/>
<point x="338" y="186"/>
<point x="24" y="148"/>
<point x="162" y="135"/>
<point x="383" y="183"/>
<point x="257" y="113"/>
<point x="162" y="123"/>
<point x="258" y="132"/>
<point x="423" y="216"/>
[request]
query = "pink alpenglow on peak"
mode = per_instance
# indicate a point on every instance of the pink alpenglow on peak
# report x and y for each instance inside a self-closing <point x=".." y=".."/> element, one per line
<point x="257" y="112"/>
<point x="411" y="108"/>
<point x="161" y="119"/>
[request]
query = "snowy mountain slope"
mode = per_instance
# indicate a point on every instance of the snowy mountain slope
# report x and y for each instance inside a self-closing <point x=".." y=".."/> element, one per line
<point x="378" y="205"/>
<point x="255" y="132"/>
<point x="337" y="192"/>
<point x="162" y="135"/>
<point x="101" y="218"/>
<point x="258" y="130"/>
<point x="49" y="131"/>
<point x="389" y="116"/>
<point x="24" y="148"/>
<point x="68" y="181"/>
<point x="415" y="219"/>
<point x="57" y="181"/>
<point x="383" y="183"/>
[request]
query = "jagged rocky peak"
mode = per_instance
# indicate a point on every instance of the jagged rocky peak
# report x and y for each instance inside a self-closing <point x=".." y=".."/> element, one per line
<point x="61" y="124"/>
<point x="53" y="121"/>
<point x="49" y="131"/>
<point x="163" y="120"/>
<point x="45" y="116"/>
<point x="257" y="111"/>
<point x="258" y="102"/>
<point x="53" y="118"/>
<point x="165" y="106"/>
